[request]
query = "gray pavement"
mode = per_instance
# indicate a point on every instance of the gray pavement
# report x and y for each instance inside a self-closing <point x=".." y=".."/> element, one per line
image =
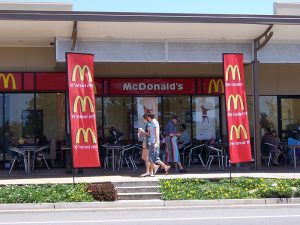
<point x="212" y="215"/>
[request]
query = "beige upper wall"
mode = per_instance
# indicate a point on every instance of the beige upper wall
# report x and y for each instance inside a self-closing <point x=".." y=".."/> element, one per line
<point x="275" y="79"/>
<point x="27" y="59"/>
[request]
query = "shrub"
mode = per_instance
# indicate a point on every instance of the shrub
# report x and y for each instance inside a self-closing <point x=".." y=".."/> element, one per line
<point x="243" y="187"/>
<point x="47" y="193"/>
<point x="102" y="191"/>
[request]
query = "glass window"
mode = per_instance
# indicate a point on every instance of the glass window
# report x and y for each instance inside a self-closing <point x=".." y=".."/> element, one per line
<point x="3" y="141"/>
<point x="100" y="129"/>
<point x="118" y="114"/>
<point x="207" y="118"/>
<point x="250" y="105"/>
<point x="179" y="106"/>
<point x="144" y="105"/>
<point x="19" y="119"/>
<point x="50" y="108"/>
<point x="268" y="112"/>
<point x="290" y="117"/>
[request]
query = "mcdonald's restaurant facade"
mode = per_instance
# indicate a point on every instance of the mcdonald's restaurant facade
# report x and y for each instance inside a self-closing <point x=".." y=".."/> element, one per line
<point x="169" y="63"/>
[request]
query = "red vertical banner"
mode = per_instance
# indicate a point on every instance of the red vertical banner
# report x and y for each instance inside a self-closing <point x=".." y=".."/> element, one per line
<point x="82" y="110"/>
<point x="236" y="109"/>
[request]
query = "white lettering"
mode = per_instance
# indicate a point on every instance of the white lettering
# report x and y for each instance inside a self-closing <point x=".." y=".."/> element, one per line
<point x="127" y="86"/>
<point x="151" y="87"/>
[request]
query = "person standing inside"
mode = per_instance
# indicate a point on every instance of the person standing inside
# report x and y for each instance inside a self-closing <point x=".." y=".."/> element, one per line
<point x="154" y="146"/>
<point x="172" y="152"/>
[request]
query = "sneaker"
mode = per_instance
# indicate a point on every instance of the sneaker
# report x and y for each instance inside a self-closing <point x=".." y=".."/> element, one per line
<point x="167" y="169"/>
<point x="156" y="167"/>
<point x="151" y="175"/>
<point x="145" y="175"/>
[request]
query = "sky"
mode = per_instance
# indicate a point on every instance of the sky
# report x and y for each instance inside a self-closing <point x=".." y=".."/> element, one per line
<point x="173" y="6"/>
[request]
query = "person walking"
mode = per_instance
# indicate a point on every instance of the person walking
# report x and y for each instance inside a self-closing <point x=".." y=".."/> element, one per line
<point x="172" y="152"/>
<point x="154" y="146"/>
<point x="145" y="152"/>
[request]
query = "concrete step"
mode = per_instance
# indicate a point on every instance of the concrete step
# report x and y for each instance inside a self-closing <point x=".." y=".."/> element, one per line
<point x="135" y="183"/>
<point x="139" y="196"/>
<point x="137" y="189"/>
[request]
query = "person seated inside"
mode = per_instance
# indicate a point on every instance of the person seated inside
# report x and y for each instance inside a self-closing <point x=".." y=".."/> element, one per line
<point x="41" y="139"/>
<point x="277" y="151"/>
<point x="114" y="135"/>
<point x="184" y="139"/>
<point x="270" y="137"/>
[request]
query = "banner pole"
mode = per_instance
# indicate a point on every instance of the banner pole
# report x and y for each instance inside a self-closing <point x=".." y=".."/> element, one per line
<point x="69" y="122"/>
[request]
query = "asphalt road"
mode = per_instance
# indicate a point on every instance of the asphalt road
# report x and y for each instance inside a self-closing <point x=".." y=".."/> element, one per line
<point x="233" y="215"/>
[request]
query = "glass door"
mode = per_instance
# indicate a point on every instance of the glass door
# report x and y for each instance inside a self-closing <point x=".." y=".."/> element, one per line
<point x="290" y="117"/>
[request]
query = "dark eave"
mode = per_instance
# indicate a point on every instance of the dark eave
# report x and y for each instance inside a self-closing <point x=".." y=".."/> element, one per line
<point x="146" y="17"/>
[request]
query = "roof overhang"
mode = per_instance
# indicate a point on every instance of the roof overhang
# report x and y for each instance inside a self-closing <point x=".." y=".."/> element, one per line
<point x="40" y="28"/>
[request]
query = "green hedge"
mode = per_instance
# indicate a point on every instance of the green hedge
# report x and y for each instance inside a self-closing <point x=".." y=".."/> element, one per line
<point x="51" y="193"/>
<point x="237" y="188"/>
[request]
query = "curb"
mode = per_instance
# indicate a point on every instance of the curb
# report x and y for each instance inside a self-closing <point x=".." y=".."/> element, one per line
<point x="147" y="203"/>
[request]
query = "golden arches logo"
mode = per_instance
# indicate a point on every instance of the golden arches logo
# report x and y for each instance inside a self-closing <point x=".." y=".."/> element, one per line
<point x="82" y="71"/>
<point x="235" y="100"/>
<point x="215" y="83"/>
<point x="238" y="132"/>
<point x="83" y="102"/>
<point x="234" y="70"/>
<point x="6" y="80"/>
<point x="85" y="135"/>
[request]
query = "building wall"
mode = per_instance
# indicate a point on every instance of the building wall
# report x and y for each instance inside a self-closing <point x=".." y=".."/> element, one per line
<point x="33" y="59"/>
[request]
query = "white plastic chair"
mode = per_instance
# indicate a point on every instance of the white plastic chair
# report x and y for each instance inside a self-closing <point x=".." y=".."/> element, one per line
<point x="215" y="153"/>
<point x="199" y="154"/>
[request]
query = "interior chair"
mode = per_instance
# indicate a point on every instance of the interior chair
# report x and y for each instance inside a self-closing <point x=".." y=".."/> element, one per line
<point x="196" y="152"/>
<point x="215" y="153"/>
<point x="266" y="153"/>
<point x="17" y="154"/>
<point x="41" y="152"/>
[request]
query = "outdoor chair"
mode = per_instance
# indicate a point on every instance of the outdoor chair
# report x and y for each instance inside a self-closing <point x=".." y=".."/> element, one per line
<point x="127" y="155"/>
<point x="215" y="153"/>
<point x="17" y="154"/>
<point x="184" y="153"/>
<point x="196" y="152"/>
<point x="40" y="152"/>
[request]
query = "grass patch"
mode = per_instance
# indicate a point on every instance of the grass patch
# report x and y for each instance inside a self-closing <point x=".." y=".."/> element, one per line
<point x="238" y="188"/>
<point x="52" y="193"/>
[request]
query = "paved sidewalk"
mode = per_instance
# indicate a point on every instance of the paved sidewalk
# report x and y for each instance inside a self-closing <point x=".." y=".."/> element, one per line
<point x="79" y="178"/>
